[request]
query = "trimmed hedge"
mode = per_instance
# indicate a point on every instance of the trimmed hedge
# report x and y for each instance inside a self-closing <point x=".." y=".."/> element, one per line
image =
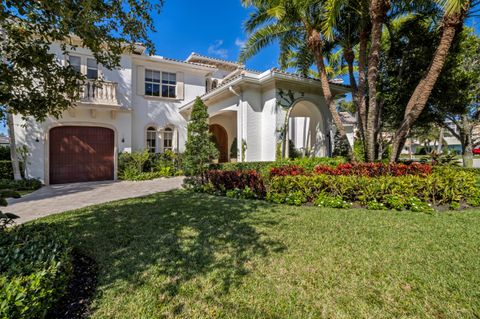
<point x="35" y="267"/>
<point x="443" y="187"/>
<point x="307" y="164"/>
<point x="21" y="185"/>
<point x="375" y="169"/>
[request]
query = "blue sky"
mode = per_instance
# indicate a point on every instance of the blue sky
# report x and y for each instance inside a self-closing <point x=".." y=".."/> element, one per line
<point x="212" y="28"/>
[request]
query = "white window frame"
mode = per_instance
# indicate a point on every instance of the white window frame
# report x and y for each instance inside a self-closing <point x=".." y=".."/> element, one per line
<point x="151" y="130"/>
<point x="92" y="68"/>
<point x="79" y="63"/>
<point x="164" y="81"/>
<point x="168" y="131"/>
<point x="152" y="82"/>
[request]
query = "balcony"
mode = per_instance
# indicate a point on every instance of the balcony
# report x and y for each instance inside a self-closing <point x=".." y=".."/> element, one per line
<point x="99" y="92"/>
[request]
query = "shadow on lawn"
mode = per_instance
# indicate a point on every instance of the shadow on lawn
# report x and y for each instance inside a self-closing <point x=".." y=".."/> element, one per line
<point x="179" y="235"/>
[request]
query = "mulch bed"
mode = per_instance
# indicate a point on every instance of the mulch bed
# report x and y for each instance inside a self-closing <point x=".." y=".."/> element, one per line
<point x="75" y="304"/>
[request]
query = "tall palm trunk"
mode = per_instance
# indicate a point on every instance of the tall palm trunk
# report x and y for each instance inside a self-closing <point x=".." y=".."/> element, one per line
<point x="316" y="46"/>
<point x="418" y="100"/>
<point x="13" y="148"/>
<point x="378" y="12"/>
<point x="362" y="82"/>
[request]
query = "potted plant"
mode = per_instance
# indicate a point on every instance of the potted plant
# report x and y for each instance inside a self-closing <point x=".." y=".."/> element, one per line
<point x="233" y="151"/>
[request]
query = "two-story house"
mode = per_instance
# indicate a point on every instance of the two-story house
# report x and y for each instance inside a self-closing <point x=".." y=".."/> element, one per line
<point x="146" y="102"/>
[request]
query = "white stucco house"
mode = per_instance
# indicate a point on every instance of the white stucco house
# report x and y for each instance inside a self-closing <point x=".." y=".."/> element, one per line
<point x="146" y="103"/>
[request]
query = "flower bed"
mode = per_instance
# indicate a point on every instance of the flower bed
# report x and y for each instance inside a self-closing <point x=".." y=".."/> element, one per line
<point x="248" y="184"/>
<point x="445" y="186"/>
<point x="375" y="169"/>
<point x="417" y="187"/>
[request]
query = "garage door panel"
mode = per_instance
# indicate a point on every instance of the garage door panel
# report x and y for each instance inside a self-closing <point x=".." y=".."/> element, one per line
<point x="81" y="154"/>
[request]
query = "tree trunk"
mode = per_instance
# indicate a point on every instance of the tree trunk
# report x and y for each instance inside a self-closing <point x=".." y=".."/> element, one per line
<point x="362" y="83"/>
<point x="13" y="148"/>
<point x="316" y="46"/>
<point x="420" y="96"/>
<point x="467" y="147"/>
<point x="440" y="140"/>
<point x="378" y="12"/>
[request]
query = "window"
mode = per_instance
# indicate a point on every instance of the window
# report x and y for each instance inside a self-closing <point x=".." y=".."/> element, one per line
<point x="152" y="139"/>
<point x="75" y="62"/>
<point x="92" y="69"/>
<point x="169" y="84"/>
<point x="152" y="83"/>
<point x="156" y="80"/>
<point x="214" y="84"/>
<point x="168" y="139"/>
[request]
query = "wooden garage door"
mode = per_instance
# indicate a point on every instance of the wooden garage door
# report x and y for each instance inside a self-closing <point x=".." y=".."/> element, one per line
<point x="81" y="154"/>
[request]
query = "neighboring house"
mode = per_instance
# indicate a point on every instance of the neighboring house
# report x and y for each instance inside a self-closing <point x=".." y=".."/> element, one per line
<point x="4" y="140"/>
<point x="146" y="103"/>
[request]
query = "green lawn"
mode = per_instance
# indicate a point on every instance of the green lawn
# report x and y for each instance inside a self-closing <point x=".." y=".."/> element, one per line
<point x="184" y="255"/>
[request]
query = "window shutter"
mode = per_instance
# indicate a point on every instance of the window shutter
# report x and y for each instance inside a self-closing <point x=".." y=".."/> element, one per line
<point x="140" y="80"/>
<point x="180" y="86"/>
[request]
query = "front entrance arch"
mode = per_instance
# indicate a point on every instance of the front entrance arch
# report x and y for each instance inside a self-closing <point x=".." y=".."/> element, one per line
<point x="307" y="129"/>
<point x="220" y="137"/>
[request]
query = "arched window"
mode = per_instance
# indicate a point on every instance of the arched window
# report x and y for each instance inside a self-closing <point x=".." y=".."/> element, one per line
<point x="168" y="139"/>
<point x="151" y="139"/>
<point x="214" y="84"/>
<point x="208" y="85"/>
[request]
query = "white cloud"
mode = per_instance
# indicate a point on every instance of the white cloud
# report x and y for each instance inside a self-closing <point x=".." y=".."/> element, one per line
<point x="240" y="43"/>
<point x="216" y="49"/>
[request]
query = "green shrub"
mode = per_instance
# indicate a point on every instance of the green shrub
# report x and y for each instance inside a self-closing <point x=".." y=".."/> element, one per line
<point x="6" y="170"/>
<point x="20" y="185"/>
<point x="138" y="166"/>
<point x="5" y="153"/>
<point x="35" y="266"/>
<point x="326" y="200"/>
<point x="375" y="205"/>
<point x="444" y="186"/>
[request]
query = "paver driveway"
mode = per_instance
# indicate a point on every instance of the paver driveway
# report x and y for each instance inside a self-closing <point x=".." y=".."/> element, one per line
<point x="60" y="198"/>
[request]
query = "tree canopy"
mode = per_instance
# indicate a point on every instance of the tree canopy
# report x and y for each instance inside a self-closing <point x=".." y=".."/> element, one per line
<point x="32" y="81"/>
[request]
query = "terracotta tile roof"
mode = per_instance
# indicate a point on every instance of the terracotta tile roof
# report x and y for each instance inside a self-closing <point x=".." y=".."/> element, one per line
<point x="199" y="56"/>
<point x="191" y="63"/>
<point x="306" y="77"/>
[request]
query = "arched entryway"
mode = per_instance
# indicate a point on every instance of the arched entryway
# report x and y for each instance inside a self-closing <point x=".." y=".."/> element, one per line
<point x="307" y="130"/>
<point x="220" y="138"/>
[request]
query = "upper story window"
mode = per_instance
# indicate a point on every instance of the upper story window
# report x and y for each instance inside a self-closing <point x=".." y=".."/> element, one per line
<point x="152" y="83"/>
<point x="75" y="62"/>
<point x="151" y="139"/>
<point x="168" y="139"/>
<point x="92" y="69"/>
<point x="162" y="84"/>
<point x="169" y="84"/>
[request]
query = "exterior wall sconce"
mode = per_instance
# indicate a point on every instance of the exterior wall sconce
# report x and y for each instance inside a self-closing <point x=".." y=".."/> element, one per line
<point x="37" y="139"/>
<point x="123" y="139"/>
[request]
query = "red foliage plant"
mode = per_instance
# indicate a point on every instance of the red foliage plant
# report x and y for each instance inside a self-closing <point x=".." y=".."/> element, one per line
<point x="229" y="180"/>
<point x="287" y="170"/>
<point x="375" y="169"/>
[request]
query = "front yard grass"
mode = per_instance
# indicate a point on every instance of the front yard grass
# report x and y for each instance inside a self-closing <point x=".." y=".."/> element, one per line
<point x="186" y="255"/>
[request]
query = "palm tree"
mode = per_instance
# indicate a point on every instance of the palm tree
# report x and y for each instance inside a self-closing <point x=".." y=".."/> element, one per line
<point x="455" y="12"/>
<point x="297" y="25"/>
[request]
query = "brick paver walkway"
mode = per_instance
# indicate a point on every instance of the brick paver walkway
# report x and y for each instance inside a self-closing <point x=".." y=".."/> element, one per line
<point x="60" y="198"/>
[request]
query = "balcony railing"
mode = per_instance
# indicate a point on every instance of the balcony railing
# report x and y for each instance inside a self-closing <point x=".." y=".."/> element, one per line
<point x="99" y="92"/>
